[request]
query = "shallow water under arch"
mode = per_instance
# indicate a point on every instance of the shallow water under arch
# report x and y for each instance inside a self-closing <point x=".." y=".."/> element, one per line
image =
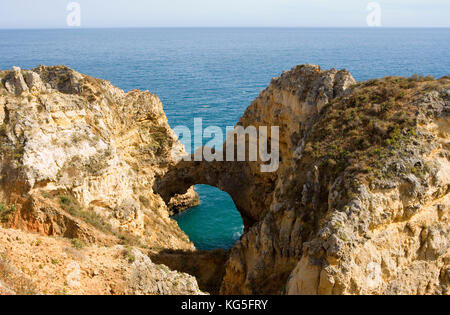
<point x="215" y="223"/>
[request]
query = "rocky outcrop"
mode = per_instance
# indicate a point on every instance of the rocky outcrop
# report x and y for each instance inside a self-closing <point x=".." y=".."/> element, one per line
<point x="182" y="202"/>
<point x="293" y="98"/>
<point x="78" y="159"/>
<point x="74" y="146"/>
<point x="359" y="203"/>
<point x="208" y="267"/>
<point x="35" y="264"/>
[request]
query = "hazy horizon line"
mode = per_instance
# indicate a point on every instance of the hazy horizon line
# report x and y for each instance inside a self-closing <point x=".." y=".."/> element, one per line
<point x="218" y="27"/>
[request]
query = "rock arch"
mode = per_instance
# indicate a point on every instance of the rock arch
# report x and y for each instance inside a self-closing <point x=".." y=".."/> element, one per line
<point x="249" y="191"/>
<point x="276" y="223"/>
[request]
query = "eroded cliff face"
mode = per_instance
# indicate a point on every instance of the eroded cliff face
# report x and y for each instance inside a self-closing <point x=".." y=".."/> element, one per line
<point x="74" y="141"/>
<point x="288" y="103"/>
<point x="359" y="203"/>
<point x="35" y="264"/>
<point x="384" y="219"/>
<point x="79" y="158"/>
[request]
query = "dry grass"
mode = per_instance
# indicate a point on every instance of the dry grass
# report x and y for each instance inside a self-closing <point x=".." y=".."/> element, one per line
<point x="71" y="205"/>
<point x="375" y="122"/>
<point x="14" y="279"/>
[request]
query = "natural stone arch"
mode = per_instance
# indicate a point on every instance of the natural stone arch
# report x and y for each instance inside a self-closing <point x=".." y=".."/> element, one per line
<point x="250" y="194"/>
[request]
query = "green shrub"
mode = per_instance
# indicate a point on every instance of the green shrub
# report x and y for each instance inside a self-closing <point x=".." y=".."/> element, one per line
<point x="90" y="216"/>
<point x="127" y="239"/>
<point x="128" y="254"/>
<point x="6" y="213"/>
<point x="357" y="133"/>
<point x="420" y="78"/>
<point x="77" y="243"/>
<point x="64" y="200"/>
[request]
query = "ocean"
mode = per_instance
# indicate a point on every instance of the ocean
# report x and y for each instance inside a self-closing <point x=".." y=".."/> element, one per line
<point x="214" y="74"/>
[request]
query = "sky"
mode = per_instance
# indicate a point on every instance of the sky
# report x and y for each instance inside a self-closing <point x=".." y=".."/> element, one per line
<point x="223" y="13"/>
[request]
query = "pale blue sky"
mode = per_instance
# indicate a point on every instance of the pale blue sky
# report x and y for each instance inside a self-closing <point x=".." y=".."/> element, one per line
<point x="174" y="13"/>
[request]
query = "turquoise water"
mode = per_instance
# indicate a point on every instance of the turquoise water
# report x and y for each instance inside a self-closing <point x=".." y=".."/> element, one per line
<point x="215" y="73"/>
<point x="215" y="223"/>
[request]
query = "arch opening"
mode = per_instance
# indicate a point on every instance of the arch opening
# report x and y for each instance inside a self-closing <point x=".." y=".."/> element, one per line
<point x="214" y="224"/>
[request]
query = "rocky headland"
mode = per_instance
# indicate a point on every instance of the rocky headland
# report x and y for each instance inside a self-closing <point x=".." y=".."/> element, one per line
<point x="359" y="205"/>
<point x="78" y="161"/>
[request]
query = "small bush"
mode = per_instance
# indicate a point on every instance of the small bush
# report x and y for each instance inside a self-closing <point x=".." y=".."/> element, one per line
<point x="77" y="243"/>
<point x="78" y="138"/>
<point x="420" y="78"/>
<point x="6" y="213"/>
<point x="127" y="239"/>
<point x="96" y="164"/>
<point x="45" y="194"/>
<point x="64" y="200"/>
<point x="128" y="254"/>
<point x="90" y="216"/>
<point x="359" y="132"/>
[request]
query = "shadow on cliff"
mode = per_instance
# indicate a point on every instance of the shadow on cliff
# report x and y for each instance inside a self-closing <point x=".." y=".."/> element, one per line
<point x="249" y="189"/>
<point x="208" y="267"/>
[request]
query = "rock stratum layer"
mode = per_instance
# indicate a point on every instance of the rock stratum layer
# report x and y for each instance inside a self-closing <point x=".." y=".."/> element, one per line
<point x="359" y="205"/>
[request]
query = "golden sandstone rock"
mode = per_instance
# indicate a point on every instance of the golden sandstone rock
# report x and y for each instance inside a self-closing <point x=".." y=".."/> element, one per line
<point x="360" y="202"/>
<point x="359" y="205"/>
<point x="78" y="160"/>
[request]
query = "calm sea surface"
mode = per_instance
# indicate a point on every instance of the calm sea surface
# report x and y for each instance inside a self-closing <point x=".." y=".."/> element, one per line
<point x="215" y="73"/>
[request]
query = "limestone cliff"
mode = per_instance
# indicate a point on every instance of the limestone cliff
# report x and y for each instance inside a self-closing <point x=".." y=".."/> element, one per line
<point x="78" y="160"/>
<point x="360" y="203"/>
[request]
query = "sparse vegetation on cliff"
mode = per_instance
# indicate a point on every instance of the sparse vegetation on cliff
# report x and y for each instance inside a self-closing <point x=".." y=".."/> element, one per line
<point x="375" y="124"/>
<point x="358" y="205"/>
<point x="72" y="168"/>
<point x="6" y="213"/>
<point x="14" y="279"/>
<point x="90" y="217"/>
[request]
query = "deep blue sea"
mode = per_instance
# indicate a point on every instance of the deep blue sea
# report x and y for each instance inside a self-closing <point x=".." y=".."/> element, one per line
<point x="214" y="73"/>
